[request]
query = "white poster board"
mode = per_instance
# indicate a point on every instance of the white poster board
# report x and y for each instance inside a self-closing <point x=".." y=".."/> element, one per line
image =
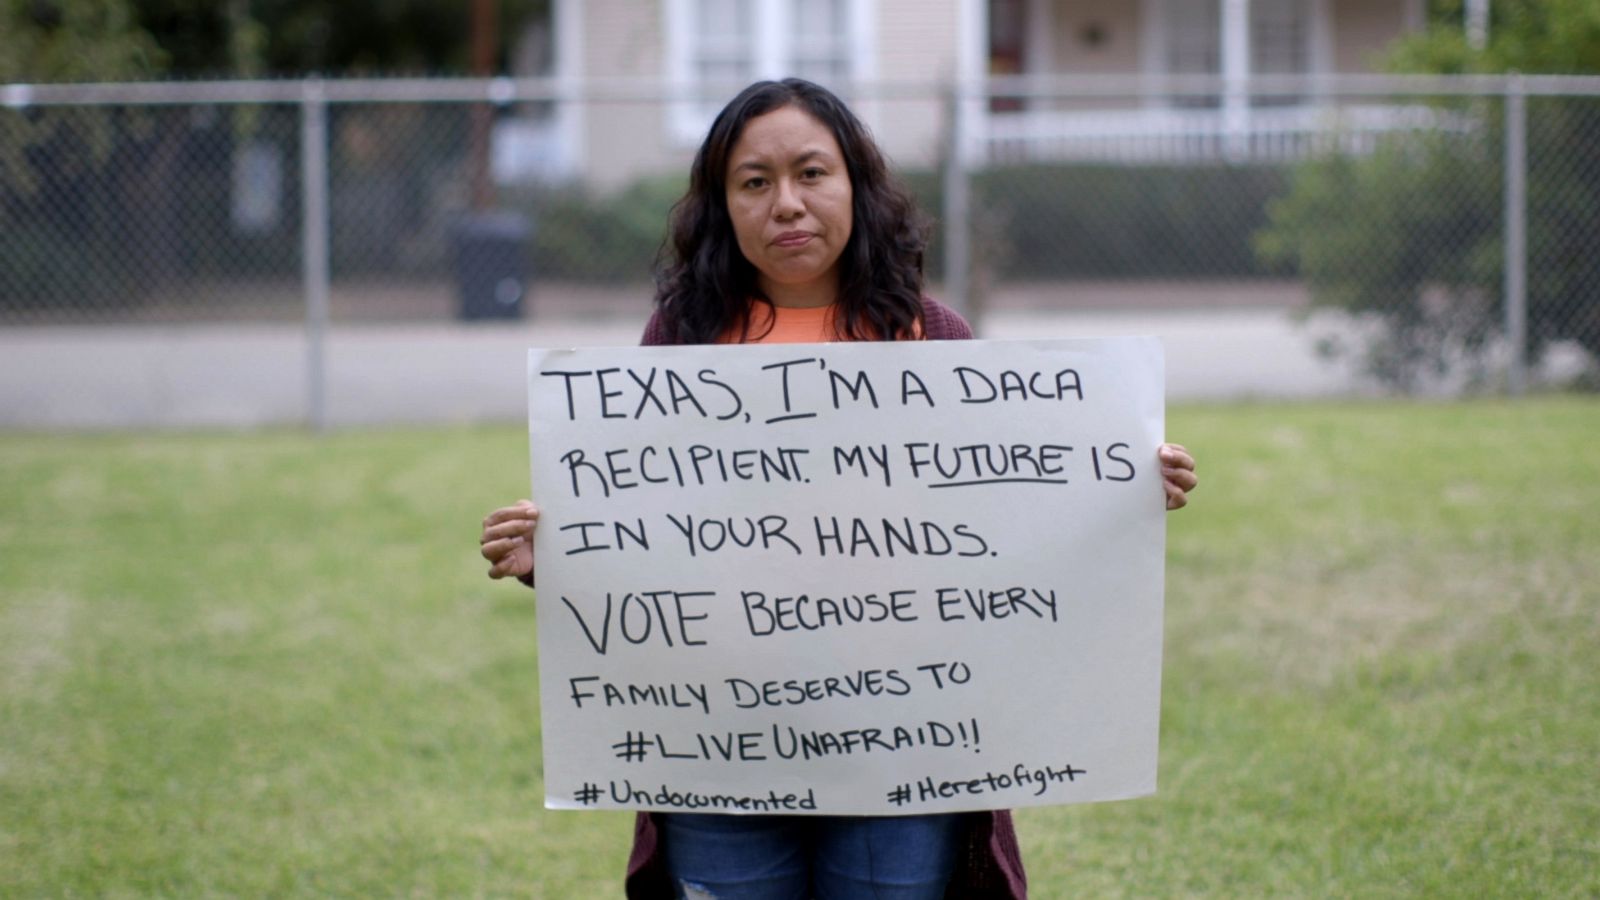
<point x="855" y="578"/>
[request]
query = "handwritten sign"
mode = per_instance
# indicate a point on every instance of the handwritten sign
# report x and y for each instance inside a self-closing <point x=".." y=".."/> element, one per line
<point x="863" y="579"/>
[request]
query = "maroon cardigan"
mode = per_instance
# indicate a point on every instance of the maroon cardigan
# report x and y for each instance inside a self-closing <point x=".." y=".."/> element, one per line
<point x="990" y="867"/>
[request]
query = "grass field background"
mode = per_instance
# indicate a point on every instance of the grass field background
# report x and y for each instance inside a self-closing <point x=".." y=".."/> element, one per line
<point x="269" y="664"/>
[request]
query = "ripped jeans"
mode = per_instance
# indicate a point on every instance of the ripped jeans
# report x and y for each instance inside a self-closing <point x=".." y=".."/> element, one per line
<point x="721" y="857"/>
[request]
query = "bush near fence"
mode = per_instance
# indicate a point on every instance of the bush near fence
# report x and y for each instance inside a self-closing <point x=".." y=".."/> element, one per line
<point x="579" y="235"/>
<point x="1414" y="235"/>
<point x="1120" y="221"/>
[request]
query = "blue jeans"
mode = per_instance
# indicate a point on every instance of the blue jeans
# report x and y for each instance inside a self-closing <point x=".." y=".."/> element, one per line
<point x="718" y="857"/>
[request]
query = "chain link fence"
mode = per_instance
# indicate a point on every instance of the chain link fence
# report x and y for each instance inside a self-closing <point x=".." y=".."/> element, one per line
<point x="1452" y="221"/>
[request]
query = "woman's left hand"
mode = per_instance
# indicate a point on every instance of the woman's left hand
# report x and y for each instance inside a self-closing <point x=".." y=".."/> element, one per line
<point x="1177" y="474"/>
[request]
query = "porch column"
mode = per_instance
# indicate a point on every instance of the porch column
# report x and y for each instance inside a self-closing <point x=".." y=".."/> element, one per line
<point x="772" y="39"/>
<point x="1236" y="76"/>
<point x="569" y="33"/>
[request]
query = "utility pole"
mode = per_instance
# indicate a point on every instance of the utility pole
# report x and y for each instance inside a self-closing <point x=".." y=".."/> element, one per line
<point x="483" y="44"/>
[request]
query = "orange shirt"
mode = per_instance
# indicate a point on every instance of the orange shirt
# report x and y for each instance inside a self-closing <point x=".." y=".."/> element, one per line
<point x="786" y="325"/>
<point x="771" y="324"/>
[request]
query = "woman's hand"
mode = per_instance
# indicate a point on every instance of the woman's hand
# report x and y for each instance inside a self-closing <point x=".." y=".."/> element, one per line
<point x="507" y="541"/>
<point x="1177" y="474"/>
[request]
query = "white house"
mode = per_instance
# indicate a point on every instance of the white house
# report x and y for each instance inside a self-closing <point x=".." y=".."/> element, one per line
<point x="897" y="61"/>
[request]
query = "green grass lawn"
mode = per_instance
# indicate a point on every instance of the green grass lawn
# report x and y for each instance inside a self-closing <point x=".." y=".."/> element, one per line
<point x="270" y="665"/>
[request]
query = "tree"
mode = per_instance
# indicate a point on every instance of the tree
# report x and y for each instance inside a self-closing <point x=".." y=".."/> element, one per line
<point x="72" y="40"/>
<point x="1413" y="234"/>
<point x="65" y="40"/>
<point x="204" y="38"/>
<point x="125" y="40"/>
<point x="75" y="180"/>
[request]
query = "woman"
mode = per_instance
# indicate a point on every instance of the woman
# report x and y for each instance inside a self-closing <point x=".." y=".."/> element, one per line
<point x="792" y="230"/>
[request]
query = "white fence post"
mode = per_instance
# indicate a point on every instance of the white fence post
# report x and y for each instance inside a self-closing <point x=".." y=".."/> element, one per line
<point x="957" y="210"/>
<point x="315" y="233"/>
<point x="1516" y="235"/>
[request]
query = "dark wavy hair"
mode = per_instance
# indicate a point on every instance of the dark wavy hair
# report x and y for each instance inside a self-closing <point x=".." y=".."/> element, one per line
<point x="704" y="283"/>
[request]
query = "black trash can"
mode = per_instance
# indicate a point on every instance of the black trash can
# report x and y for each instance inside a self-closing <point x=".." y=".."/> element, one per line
<point x="491" y="264"/>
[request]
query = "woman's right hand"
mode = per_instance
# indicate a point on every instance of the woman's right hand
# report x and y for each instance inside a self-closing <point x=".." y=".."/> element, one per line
<point x="507" y="541"/>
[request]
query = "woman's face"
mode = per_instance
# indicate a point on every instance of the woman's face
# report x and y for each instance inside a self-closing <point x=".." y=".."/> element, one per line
<point x="789" y="196"/>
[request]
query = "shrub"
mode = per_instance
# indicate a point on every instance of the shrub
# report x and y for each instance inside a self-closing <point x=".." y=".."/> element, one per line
<point x="581" y="236"/>
<point x="1110" y="221"/>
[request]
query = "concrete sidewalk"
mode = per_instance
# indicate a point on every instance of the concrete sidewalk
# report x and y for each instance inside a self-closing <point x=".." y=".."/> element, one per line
<point x="247" y="376"/>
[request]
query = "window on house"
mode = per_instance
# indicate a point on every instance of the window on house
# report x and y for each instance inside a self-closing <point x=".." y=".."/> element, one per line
<point x="821" y="48"/>
<point x="714" y="46"/>
<point x="1280" y="32"/>
<point x="1194" y="45"/>
<point x="1280" y="43"/>
<point x="723" y="42"/>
